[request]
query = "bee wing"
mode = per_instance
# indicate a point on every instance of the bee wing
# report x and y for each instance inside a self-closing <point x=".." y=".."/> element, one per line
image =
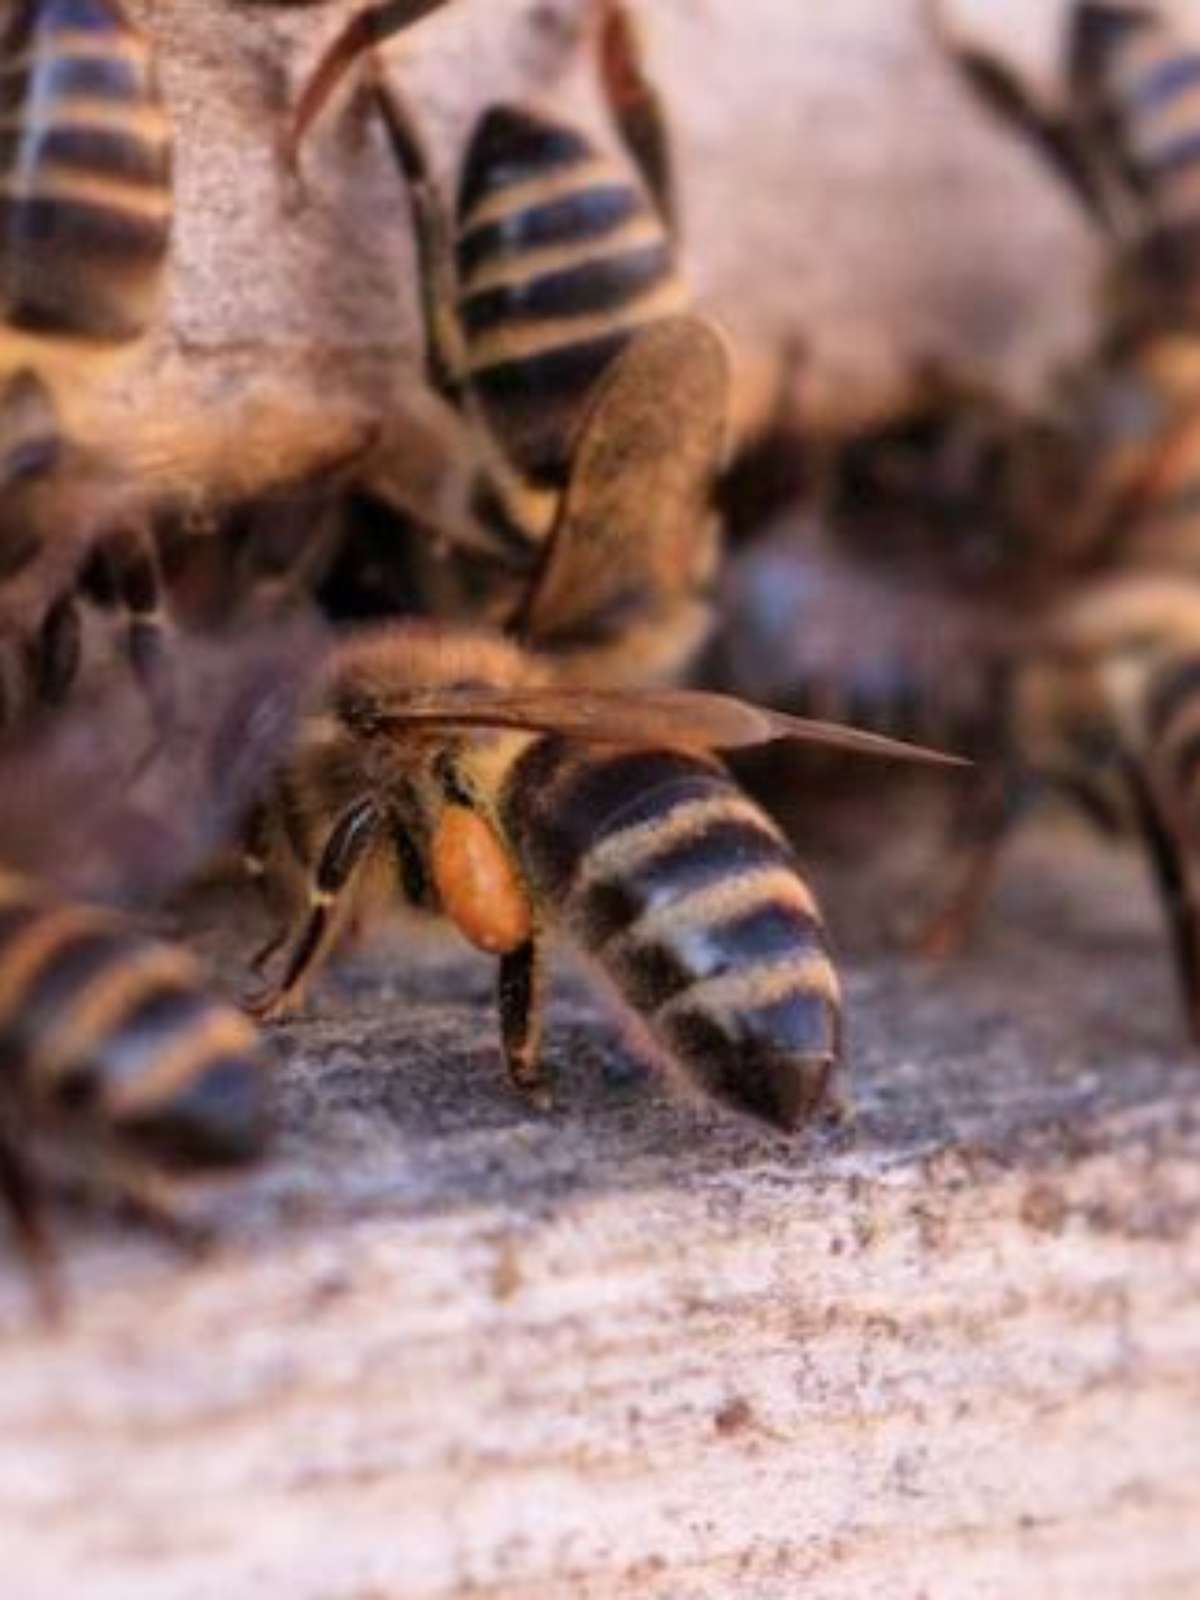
<point x="676" y="718"/>
<point x="366" y="29"/>
<point x="635" y="523"/>
<point x="89" y="810"/>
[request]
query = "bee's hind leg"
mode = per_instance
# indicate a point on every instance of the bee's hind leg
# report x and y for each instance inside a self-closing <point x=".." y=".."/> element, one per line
<point x="520" y="987"/>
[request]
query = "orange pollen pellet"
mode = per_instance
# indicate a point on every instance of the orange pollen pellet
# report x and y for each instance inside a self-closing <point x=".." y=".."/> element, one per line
<point x="477" y="883"/>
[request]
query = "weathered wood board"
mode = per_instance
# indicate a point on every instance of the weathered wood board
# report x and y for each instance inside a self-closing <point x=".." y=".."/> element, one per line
<point x="449" y="1348"/>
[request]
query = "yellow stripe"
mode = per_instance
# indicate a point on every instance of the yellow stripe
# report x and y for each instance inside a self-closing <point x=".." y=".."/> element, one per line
<point x="630" y="850"/>
<point x="28" y="953"/>
<point x="521" y="341"/>
<point x="106" y="999"/>
<point x="716" y="903"/>
<point x="524" y="266"/>
<point x="539" y="190"/>
<point x="124" y="43"/>
<point x="221" y="1032"/>
<point x="751" y="987"/>
<point x="89" y="189"/>
<point x="146" y="121"/>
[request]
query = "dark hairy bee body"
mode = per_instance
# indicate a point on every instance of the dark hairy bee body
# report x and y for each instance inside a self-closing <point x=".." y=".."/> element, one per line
<point x="645" y="854"/>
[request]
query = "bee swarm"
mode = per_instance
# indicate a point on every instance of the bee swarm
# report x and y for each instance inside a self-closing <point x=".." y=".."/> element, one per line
<point x="634" y="1348"/>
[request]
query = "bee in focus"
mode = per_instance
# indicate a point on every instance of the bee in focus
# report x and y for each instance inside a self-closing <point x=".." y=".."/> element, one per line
<point x="540" y="292"/>
<point x="445" y="765"/>
<point x="122" y="1067"/>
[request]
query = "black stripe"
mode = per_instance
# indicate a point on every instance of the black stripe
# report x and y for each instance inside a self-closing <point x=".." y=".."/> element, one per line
<point x="216" y="1117"/>
<point x="15" y="917"/>
<point x="773" y="1061"/>
<point x="156" y="1018"/>
<point x="1169" y="160"/>
<point x="91" y="151"/>
<point x="1185" y="760"/>
<point x="83" y="16"/>
<point x="534" y="404"/>
<point x="511" y="145"/>
<point x="569" y="369"/>
<point x="1171" y="689"/>
<point x="593" y="212"/>
<point x="1170" y="252"/>
<point x="118" y="79"/>
<point x="724" y="848"/>
<point x="77" y="962"/>
<point x="1161" y="81"/>
<point x="45" y="224"/>
<point x="558" y="807"/>
<point x="607" y="284"/>
<point x="653" y="972"/>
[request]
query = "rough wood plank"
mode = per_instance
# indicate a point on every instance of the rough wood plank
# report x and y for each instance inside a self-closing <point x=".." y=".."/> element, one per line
<point x="637" y="1349"/>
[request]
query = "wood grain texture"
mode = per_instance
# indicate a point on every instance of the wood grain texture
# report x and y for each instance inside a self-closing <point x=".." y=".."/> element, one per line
<point x="448" y="1348"/>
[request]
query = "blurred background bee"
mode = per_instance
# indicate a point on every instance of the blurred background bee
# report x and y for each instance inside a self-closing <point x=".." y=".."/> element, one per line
<point x="1018" y="586"/>
<point x="86" y="213"/>
<point x="123" y="1067"/>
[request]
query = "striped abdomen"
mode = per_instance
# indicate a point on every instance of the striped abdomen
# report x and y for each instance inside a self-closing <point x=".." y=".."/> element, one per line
<point x="101" y="1027"/>
<point x="683" y="891"/>
<point x="561" y="257"/>
<point x="1153" y="97"/>
<point x="85" y="173"/>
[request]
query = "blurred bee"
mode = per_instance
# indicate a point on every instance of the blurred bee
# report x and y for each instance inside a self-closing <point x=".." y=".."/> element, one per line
<point x="1123" y="136"/>
<point x="926" y="595"/>
<point x="121" y="1066"/>
<point x="557" y="325"/>
<point x="85" y="214"/>
<point x="86" y="204"/>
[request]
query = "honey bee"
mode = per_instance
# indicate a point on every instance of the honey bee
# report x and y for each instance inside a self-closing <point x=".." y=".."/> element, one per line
<point x="558" y="331"/>
<point x="122" y="1065"/>
<point x="448" y="764"/>
<point x="931" y="594"/>
<point x="85" y="209"/>
<point x="86" y="212"/>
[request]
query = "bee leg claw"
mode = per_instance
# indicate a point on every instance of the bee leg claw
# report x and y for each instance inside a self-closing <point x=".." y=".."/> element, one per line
<point x="270" y="1005"/>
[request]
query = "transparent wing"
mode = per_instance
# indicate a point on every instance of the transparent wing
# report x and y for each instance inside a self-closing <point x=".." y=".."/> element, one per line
<point x="676" y="718"/>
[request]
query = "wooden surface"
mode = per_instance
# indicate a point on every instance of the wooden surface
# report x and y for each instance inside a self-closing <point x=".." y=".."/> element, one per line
<point x="450" y="1348"/>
